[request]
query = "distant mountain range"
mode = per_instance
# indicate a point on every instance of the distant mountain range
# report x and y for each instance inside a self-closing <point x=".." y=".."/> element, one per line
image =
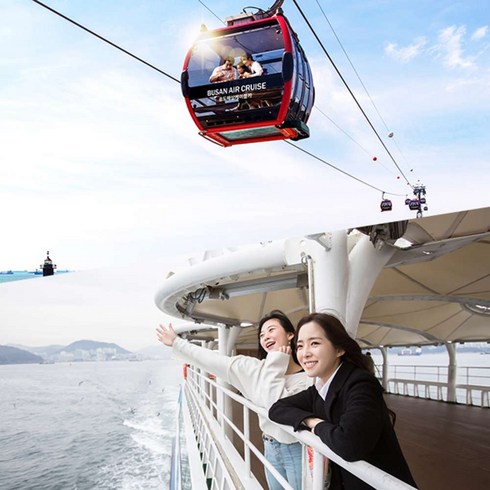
<point x="13" y="355"/>
<point x="81" y="350"/>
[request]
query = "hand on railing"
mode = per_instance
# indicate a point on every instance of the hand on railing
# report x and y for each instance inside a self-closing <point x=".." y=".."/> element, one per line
<point x="312" y="422"/>
<point x="166" y="335"/>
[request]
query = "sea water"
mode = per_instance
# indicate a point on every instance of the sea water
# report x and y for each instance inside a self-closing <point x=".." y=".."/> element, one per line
<point x="90" y="425"/>
<point x="106" y="425"/>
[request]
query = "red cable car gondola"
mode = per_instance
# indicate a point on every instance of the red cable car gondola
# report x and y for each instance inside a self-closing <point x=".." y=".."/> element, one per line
<point x="271" y="100"/>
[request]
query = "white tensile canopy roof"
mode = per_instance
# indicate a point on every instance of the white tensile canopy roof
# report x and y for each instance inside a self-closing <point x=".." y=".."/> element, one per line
<point x="434" y="289"/>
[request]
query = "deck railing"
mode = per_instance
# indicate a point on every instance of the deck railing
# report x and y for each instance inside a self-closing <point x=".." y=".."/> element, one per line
<point x="175" y="467"/>
<point x="227" y="465"/>
<point x="431" y="382"/>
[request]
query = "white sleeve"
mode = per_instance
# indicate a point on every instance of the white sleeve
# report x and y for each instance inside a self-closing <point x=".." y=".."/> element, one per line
<point x="257" y="69"/>
<point x="202" y="358"/>
<point x="262" y="382"/>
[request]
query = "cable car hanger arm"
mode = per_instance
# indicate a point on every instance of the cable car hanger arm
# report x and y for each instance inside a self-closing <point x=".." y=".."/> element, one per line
<point x="272" y="10"/>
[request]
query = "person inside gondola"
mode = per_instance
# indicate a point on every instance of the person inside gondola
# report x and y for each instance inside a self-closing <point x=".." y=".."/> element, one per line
<point x="345" y="407"/>
<point x="254" y="66"/>
<point x="225" y="72"/>
<point x="264" y="380"/>
<point x="243" y="70"/>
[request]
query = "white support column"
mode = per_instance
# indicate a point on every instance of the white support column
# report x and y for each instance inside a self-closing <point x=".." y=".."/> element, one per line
<point x="227" y="337"/>
<point x="341" y="280"/>
<point x="384" y="353"/>
<point x="330" y="272"/>
<point x="222" y="347"/>
<point x="366" y="262"/>
<point x="204" y="386"/>
<point x="233" y="334"/>
<point x="451" y="372"/>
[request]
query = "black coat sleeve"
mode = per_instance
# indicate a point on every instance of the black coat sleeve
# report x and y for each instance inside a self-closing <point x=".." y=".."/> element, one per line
<point x="292" y="410"/>
<point x="358" y="422"/>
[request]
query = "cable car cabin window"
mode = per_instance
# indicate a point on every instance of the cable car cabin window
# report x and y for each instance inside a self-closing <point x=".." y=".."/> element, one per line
<point x="298" y="86"/>
<point x="303" y="86"/>
<point x="221" y="91"/>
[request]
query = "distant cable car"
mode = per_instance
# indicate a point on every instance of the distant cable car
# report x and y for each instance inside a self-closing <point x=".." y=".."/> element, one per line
<point x="249" y="81"/>
<point x="386" y="205"/>
<point x="414" y="205"/>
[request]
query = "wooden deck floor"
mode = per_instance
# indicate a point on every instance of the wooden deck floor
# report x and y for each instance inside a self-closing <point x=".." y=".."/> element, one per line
<point x="447" y="446"/>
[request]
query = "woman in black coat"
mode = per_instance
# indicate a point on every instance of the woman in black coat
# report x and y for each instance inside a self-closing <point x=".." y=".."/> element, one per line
<point x="345" y="407"/>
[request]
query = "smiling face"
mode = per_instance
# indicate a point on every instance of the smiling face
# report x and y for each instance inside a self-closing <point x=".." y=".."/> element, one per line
<point x="272" y="335"/>
<point x="316" y="354"/>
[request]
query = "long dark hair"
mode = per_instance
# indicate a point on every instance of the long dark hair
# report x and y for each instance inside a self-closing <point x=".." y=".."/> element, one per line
<point x="285" y="323"/>
<point x="338" y="336"/>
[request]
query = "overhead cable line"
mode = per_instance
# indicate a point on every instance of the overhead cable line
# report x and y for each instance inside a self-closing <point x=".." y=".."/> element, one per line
<point x="340" y="170"/>
<point x="352" y="65"/>
<point x="351" y="138"/>
<point x="350" y="91"/>
<point x="359" y="78"/>
<point x="209" y="10"/>
<point x="106" y="40"/>
<point x="178" y="81"/>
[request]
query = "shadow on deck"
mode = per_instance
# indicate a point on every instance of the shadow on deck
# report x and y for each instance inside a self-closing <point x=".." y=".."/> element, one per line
<point x="447" y="446"/>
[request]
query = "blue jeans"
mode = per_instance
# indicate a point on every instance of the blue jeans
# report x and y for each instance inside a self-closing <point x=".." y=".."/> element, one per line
<point x="286" y="459"/>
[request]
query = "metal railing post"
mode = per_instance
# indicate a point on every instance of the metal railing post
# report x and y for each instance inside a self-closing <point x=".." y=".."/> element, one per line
<point x="175" y="467"/>
<point x="246" y="436"/>
<point x="319" y="465"/>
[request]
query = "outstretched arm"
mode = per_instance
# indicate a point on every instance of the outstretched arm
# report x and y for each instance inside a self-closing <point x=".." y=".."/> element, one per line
<point x="201" y="357"/>
<point x="166" y="335"/>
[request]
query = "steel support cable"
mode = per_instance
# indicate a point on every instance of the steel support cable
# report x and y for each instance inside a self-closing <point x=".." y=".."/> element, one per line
<point x="178" y="81"/>
<point x="352" y="65"/>
<point x="340" y="170"/>
<point x="351" y="138"/>
<point x="209" y="10"/>
<point x="360" y="80"/>
<point x="106" y="40"/>
<point x="350" y="92"/>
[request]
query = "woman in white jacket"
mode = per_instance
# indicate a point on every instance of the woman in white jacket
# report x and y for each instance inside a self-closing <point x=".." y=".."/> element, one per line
<point x="263" y="381"/>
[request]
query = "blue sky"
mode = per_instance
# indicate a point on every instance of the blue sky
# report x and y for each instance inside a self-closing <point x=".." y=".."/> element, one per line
<point x="102" y="165"/>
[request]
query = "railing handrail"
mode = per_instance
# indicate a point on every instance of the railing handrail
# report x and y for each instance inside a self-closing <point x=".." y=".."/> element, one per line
<point x="365" y="471"/>
<point x="175" y="465"/>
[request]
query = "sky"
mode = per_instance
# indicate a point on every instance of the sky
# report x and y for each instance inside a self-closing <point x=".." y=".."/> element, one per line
<point x="101" y="164"/>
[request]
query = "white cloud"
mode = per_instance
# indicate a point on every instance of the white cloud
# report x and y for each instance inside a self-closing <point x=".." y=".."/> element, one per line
<point x="407" y="53"/>
<point x="451" y="41"/>
<point x="480" y="33"/>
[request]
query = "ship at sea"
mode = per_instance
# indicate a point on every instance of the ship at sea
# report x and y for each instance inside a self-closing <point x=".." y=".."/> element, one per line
<point x="47" y="268"/>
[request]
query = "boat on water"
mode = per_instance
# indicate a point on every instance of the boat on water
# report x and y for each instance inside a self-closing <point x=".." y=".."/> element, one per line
<point x="390" y="284"/>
